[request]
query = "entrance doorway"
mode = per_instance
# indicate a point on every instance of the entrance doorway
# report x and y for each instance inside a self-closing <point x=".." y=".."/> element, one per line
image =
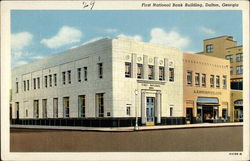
<point x="189" y="115"/>
<point x="210" y="113"/>
<point x="150" y="110"/>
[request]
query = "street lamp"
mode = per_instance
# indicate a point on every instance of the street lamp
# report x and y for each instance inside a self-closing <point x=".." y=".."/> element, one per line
<point x="136" y="117"/>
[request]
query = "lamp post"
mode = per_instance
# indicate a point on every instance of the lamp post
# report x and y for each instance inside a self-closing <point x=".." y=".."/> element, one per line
<point x="136" y="117"/>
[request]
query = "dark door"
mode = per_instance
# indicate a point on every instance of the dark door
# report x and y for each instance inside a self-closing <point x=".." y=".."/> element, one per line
<point x="189" y="115"/>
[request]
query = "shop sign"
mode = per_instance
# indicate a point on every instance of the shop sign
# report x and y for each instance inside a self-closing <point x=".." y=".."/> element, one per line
<point x="207" y="92"/>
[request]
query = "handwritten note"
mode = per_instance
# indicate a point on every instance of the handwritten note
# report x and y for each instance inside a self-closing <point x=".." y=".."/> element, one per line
<point x="88" y="4"/>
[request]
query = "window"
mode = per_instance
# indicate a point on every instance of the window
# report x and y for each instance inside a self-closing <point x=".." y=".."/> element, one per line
<point x="237" y="85"/>
<point x="79" y="74"/>
<point x="24" y="85"/>
<point x="28" y="84"/>
<point x="239" y="69"/>
<point x="26" y="113"/>
<point x="38" y="82"/>
<point x="44" y="103"/>
<point x="36" y="108"/>
<point x="69" y="77"/>
<point x="100" y="104"/>
<point x="231" y="70"/>
<point x="150" y="72"/>
<point x="81" y="105"/>
<point x="55" y="79"/>
<point x="46" y="81"/>
<point x="224" y="113"/>
<point x="50" y="80"/>
<point x="197" y="79"/>
<point x="224" y="81"/>
<point x="17" y="109"/>
<point x="55" y="107"/>
<point x="230" y="58"/>
<point x="66" y="106"/>
<point x="171" y="110"/>
<point x="139" y="71"/>
<point x="16" y="87"/>
<point x="128" y="110"/>
<point x="127" y="70"/>
<point x="209" y="48"/>
<point x="203" y="80"/>
<point x="64" y="77"/>
<point x="239" y="57"/>
<point x="217" y="81"/>
<point x="171" y="74"/>
<point x="34" y="83"/>
<point x="161" y="73"/>
<point x="100" y="70"/>
<point x="212" y="81"/>
<point x="189" y="78"/>
<point x="85" y="73"/>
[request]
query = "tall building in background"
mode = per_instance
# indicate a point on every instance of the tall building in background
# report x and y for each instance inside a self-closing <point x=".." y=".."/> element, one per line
<point x="225" y="47"/>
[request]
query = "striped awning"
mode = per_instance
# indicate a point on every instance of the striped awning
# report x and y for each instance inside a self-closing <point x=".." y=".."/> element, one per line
<point x="207" y="101"/>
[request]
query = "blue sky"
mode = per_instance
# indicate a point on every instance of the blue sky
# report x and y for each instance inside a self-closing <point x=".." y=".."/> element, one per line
<point x="39" y="33"/>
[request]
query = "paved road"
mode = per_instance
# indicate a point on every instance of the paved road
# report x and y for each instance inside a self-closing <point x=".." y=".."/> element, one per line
<point x="191" y="139"/>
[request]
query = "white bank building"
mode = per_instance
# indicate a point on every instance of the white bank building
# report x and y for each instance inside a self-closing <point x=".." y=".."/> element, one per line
<point x="109" y="82"/>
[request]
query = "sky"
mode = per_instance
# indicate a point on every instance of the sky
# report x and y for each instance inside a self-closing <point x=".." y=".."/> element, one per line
<point x="36" y="34"/>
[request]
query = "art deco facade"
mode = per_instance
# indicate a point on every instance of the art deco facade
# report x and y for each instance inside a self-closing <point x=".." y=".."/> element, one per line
<point x="226" y="48"/>
<point x="108" y="78"/>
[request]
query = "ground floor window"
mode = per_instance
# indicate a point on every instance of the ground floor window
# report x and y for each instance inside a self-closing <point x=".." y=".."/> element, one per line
<point x="224" y="114"/>
<point x="81" y="105"/>
<point x="66" y="106"/>
<point x="36" y="108"/>
<point x="44" y="102"/>
<point x="17" y="109"/>
<point x="128" y="110"/>
<point x="100" y="104"/>
<point x="55" y="107"/>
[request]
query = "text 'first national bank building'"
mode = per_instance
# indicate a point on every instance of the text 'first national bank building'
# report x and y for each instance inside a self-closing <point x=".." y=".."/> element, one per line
<point x="112" y="80"/>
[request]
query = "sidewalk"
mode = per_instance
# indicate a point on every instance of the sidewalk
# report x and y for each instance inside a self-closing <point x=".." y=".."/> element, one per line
<point x="120" y="129"/>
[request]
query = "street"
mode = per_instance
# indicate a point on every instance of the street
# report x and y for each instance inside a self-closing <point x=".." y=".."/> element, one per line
<point x="190" y="139"/>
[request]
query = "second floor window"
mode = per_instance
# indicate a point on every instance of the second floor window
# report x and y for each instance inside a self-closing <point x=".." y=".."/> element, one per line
<point x="230" y="58"/>
<point x="212" y="81"/>
<point x="38" y="82"/>
<point x="218" y="81"/>
<point x="197" y="79"/>
<point x="69" y="77"/>
<point x="28" y="85"/>
<point x="64" y="77"/>
<point x="239" y="57"/>
<point x="127" y="70"/>
<point x="16" y="87"/>
<point x="79" y="74"/>
<point x="203" y="80"/>
<point x="34" y="83"/>
<point x="24" y="85"/>
<point x="55" y="79"/>
<point x="209" y="48"/>
<point x="85" y="73"/>
<point x="161" y="73"/>
<point x="171" y="74"/>
<point x="46" y="81"/>
<point x="100" y="70"/>
<point x="50" y="80"/>
<point x="150" y="72"/>
<point x="189" y="78"/>
<point x="139" y="71"/>
<point x="239" y="69"/>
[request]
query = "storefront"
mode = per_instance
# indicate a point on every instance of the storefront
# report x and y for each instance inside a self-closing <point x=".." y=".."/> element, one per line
<point x="238" y="110"/>
<point x="207" y="109"/>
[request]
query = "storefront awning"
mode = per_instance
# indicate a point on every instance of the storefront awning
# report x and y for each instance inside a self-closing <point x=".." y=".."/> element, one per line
<point x="207" y="101"/>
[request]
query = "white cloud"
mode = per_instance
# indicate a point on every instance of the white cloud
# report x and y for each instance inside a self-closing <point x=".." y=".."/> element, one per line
<point x="171" y="38"/>
<point x="37" y="57"/>
<point x="207" y="30"/>
<point x="111" y="30"/>
<point x="20" y="40"/>
<point x="21" y="62"/>
<point x="66" y="35"/>
<point x="135" y="37"/>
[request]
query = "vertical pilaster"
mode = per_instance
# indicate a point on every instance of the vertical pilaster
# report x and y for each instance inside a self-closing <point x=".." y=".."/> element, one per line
<point x="166" y="70"/>
<point x="134" y="66"/>
<point x="145" y="67"/>
<point x="143" y="107"/>
<point x="158" y="107"/>
<point x="156" y="69"/>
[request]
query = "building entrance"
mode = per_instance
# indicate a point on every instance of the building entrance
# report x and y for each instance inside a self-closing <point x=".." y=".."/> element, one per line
<point x="209" y="113"/>
<point x="150" y="110"/>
